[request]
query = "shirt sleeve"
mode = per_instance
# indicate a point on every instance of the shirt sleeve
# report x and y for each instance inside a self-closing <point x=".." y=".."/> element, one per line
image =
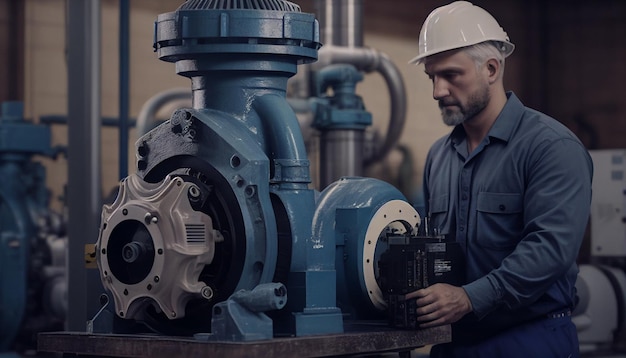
<point x="556" y="209"/>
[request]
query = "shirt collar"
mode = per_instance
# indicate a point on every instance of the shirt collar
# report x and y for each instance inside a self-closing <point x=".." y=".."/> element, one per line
<point x="504" y="126"/>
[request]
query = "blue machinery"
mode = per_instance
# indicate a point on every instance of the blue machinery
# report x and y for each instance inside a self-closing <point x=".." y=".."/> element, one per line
<point x="32" y="265"/>
<point x="17" y="225"/>
<point x="219" y="213"/>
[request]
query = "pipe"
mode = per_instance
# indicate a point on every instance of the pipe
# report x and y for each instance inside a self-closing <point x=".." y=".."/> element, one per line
<point x="146" y="118"/>
<point x="341" y="32"/>
<point x="285" y="141"/>
<point x="106" y="121"/>
<point x="15" y="20"/>
<point x="370" y="60"/>
<point x="344" y="131"/>
<point x="397" y="115"/>
<point x="342" y="22"/>
<point x="348" y="142"/>
<point x="84" y="174"/>
<point x="124" y="36"/>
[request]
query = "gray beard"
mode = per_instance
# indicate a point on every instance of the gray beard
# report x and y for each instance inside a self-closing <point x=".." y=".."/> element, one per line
<point x="475" y="104"/>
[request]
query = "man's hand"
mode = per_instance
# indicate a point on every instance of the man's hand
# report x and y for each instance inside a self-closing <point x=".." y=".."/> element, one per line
<point x="440" y="304"/>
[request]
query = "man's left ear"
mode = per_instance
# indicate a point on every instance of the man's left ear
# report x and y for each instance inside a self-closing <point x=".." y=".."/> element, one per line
<point x="493" y="67"/>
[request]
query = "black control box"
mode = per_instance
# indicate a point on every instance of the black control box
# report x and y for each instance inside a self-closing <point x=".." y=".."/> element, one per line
<point x="414" y="262"/>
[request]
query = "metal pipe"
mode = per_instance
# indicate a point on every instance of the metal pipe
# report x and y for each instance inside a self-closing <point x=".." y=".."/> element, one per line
<point x="351" y="20"/>
<point x="341" y="21"/>
<point x="14" y="80"/>
<point x="106" y="121"/>
<point x="342" y="34"/>
<point x="342" y="27"/>
<point x="340" y="155"/>
<point x="147" y="114"/>
<point x="280" y="120"/>
<point x="341" y="133"/>
<point x="370" y="60"/>
<point x="84" y="180"/>
<point x="397" y="97"/>
<point x="124" y="39"/>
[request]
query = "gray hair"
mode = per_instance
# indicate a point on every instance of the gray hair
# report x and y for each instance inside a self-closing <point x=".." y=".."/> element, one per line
<point x="484" y="51"/>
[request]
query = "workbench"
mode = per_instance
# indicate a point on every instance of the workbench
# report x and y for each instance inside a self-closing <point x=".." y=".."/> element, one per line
<point x="351" y="343"/>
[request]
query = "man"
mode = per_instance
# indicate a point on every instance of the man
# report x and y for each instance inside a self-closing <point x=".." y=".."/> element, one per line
<point x="512" y="186"/>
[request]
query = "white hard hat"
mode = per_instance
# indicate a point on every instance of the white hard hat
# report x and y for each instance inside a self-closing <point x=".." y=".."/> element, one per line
<point x="457" y="25"/>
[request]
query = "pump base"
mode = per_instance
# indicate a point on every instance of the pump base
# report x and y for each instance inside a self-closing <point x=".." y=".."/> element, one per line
<point x="356" y="341"/>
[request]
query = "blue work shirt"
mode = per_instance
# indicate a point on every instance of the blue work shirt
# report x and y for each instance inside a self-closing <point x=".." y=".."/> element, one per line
<point x="518" y="205"/>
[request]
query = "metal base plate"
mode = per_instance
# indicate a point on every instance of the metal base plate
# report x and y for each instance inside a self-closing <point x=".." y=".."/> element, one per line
<point x="115" y="345"/>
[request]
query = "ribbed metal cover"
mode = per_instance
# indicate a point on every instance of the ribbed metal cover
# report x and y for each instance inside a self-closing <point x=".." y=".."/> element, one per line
<point x="274" y="5"/>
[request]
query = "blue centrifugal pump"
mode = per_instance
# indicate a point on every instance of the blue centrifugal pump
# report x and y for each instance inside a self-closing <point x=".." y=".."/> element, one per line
<point x="218" y="231"/>
<point x="32" y="242"/>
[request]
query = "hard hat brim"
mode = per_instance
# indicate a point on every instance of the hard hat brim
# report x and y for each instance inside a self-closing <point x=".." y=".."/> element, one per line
<point x="507" y="49"/>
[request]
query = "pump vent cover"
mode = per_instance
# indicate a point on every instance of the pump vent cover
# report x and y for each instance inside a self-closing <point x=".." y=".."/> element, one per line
<point x="271" y="5"/>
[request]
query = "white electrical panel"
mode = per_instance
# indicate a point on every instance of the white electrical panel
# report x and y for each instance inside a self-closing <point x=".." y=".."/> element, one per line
<point x="608" y="203"/>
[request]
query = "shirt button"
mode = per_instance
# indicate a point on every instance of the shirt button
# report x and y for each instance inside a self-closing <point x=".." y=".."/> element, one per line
<point x="464" y="197"/>
<point x="461" y="229"/>
<point x="502" y="207"/>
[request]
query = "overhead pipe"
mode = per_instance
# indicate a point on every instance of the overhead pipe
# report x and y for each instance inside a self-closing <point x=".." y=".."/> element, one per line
<point x="341" y="21"/>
